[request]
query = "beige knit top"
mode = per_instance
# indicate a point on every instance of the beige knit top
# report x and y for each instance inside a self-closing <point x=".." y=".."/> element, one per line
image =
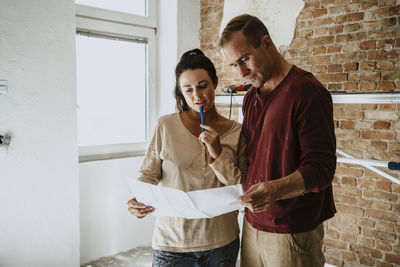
<point x="177" y="159"/>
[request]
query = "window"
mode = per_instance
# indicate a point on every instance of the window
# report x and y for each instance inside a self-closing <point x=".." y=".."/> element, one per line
<point x="137" y="7"/>
<point x="115" y="55"/>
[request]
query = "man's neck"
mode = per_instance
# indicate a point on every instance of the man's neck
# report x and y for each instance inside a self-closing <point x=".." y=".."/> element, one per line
<point x="283" y="68"/>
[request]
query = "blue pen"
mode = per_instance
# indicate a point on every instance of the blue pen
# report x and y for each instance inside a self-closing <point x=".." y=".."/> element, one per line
<point x="202" y="117"/>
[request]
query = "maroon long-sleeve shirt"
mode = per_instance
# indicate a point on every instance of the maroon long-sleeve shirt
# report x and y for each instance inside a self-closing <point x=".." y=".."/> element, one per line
<point x="292" y="129"/>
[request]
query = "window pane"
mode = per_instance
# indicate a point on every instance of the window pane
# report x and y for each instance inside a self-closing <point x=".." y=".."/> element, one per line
<point x="136" y="7"/>
<point x="111" y="83"/>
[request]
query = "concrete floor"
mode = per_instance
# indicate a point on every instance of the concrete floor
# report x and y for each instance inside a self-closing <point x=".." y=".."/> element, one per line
<point x="137" y="257"/>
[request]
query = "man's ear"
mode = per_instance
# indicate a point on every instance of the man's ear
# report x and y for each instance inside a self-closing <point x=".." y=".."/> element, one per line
<point x="266" y="40"/>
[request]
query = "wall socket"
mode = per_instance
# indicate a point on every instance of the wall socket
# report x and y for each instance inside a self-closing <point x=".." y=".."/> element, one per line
<point x="3" y="87"/>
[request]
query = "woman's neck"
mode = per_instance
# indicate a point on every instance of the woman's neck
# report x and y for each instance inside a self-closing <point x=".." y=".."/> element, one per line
<point x="209" y="115"/>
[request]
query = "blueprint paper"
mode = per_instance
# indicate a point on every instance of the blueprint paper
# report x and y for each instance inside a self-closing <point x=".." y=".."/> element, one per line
<point x="206" y="203"/>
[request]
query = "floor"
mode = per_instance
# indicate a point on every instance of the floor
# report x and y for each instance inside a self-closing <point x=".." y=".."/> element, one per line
<point x="137" y="257"/>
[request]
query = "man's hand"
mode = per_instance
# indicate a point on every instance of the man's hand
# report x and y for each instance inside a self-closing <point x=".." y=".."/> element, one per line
<point x="259" y="197"/>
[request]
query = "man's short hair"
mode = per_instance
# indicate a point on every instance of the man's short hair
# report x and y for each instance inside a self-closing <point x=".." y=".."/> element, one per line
<point x="252" y="27"/>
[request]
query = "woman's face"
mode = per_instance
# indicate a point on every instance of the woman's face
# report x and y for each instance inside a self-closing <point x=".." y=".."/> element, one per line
<point x="198" y="89"/>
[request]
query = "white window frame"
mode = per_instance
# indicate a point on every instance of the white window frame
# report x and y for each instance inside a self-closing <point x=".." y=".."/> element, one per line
<point x="113" y="24"/>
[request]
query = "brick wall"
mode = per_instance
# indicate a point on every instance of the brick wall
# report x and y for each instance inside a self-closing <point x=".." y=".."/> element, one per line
<point x="349" y="45"/>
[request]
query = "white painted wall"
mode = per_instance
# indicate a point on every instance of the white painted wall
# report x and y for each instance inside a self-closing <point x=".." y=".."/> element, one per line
<point x="39" y="187"/>
<point x="179" y="31"/>
<point x="279" y="16"/>
<point x="106" y="226"/>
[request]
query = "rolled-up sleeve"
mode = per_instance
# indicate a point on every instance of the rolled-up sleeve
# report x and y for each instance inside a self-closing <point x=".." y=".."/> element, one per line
<point x="316" y="133"/>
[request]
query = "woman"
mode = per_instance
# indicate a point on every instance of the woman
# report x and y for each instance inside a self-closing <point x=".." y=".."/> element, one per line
<point x="182" y="156"/>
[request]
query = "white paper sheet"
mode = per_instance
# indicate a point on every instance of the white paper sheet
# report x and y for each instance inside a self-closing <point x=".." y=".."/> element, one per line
<point x="205" y="203"/>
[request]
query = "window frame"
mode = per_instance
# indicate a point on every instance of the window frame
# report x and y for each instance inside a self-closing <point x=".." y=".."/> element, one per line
<point x="113" y="24"/>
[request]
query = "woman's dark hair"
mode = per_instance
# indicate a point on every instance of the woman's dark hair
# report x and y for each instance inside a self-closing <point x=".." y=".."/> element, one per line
<point x="191" y="60"/>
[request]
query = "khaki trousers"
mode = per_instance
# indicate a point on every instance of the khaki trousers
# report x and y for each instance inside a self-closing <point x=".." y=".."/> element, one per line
<point x="264" y="249"/>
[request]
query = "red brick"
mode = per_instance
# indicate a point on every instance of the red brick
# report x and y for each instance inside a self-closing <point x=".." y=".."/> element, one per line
<point x="321" y="31"/>
<point x="367" y="222"/>
<point x="333" y="261"/>
<point x="350" y="66"/>
<point x="352" y="27"/>
<point x="385" y="65"/>
<point x="379" y="145"/>
<point x="366" y="260"/>
<point x="335" y="87"/>
<point x="368" y="65"/>
<point x="388" y="22"/>
<point x="348" y="255"/>
<point x="368" y="86"/>
<point x="334" y="49"/>
<point x="387" y="3"/>
<point x="391" y="74"/>
<point x="350" y="86"/>
<point x="384" y="185"/>
<point x="319" y="68"/>
<point x="392" y="258"/>
<point x="368" y="45"/>
<point x="306" y="33"/>
<point x="383" y="264"/>
<point x="346" y="209"/>
<point x="306" y="14"/>
<point x="383" y="206"/>
<point x="385" y="44"/>
<point x="381" y="55"/>
<point x="398" y="42"/>
<point x="387" y="11"/>
<point x="365" y="251"/>
<point x="386" y="86"/>
<point x="319" y="59"/>
<point x="312" y="4"/>
<point x="298" y="43"/>
<point x="351" y="47"/>
<point x="319" y="50"/>
<point x="319" y="22"/>
<point x="321" y="40"/>
<point x="320" y="12"/>
<point x="335" y="243"/>
<point x="347" y="124"/>
<point x="369" y="3"/>
<point x="382" y="125"/>
<point x="350" y="57"/>
<point x="336" y="29"/>
<point x="380" y="195"/>
<point x="382" y="215"/>
<point x="349" y="17"/>
<point x="329" y="233"/>
<point x="347" y="199"/>
<point x="370" y="75"/>
<point x="382" y="245"/>
<point x="351" y="37"/>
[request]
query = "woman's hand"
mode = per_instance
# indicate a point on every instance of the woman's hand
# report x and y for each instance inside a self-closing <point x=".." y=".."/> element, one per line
<point x="139" y="209"/>
<point x="211" y="138"/>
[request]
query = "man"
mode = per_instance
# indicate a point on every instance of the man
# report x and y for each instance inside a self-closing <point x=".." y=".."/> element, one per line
<point x="289" y="129"/>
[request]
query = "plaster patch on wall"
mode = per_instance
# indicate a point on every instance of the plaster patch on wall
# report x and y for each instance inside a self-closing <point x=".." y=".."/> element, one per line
<point x="279" y="16"/>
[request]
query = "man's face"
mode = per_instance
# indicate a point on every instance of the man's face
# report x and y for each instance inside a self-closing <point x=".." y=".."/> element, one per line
<point x="253" y="64"/>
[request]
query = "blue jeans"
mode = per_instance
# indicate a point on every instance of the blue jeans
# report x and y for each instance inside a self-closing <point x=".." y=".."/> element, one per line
<point x="225" y="256"/>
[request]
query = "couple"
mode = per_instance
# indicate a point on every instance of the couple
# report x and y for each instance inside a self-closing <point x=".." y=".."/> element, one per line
<point x="284" y="156"/>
